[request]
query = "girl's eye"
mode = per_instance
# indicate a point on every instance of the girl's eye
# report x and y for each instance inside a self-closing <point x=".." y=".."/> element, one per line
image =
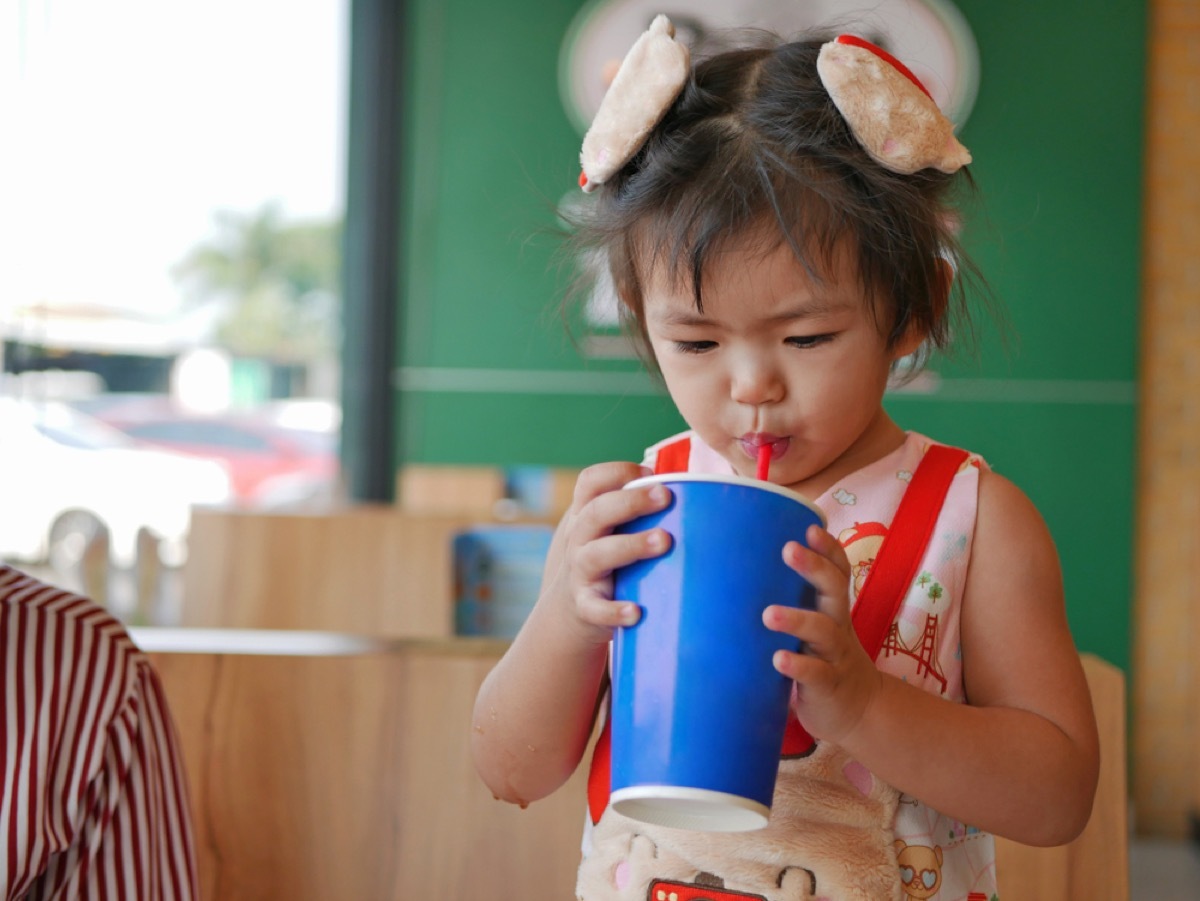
<point x="808" y="340"/>
<point x="694" y="347"/>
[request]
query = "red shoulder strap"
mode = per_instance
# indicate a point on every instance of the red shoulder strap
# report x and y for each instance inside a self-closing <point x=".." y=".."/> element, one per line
<point x="599" y="783"/>
<point x="896" y="563"/>
<point x="673" y="457"/>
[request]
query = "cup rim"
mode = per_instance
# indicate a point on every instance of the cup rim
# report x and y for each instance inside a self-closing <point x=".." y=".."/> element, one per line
<point x="684" y="807"/>
<point x="731" y="479"/>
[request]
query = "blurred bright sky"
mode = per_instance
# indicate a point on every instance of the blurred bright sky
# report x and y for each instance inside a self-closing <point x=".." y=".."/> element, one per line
<point x="124" y="124"/>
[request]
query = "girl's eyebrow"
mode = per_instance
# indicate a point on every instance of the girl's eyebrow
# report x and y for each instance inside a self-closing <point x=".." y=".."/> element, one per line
<point x="809" y="309"/>
<point x="812" y="308"/>
<point x="681" y="317"/>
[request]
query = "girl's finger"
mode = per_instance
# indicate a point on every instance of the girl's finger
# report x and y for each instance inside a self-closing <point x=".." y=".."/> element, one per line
<point x="596" y="609"/>
<point x="598" y="558"/>
<point x="831" y="583"/>
<point x="603" y="478"/>
<point x="799" y="668"/>
<point x="609" y="510"/>
<point x="820" y="541"/>
<point x="816" y="630"/>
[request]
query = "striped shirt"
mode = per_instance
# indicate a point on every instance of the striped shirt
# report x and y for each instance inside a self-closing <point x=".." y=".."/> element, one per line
<point x="94" y="802"/>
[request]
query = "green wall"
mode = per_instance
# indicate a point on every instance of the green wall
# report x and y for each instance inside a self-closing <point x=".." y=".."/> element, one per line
<point x="486" y="374"/>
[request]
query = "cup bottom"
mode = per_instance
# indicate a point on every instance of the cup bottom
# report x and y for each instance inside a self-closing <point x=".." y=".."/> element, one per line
<point x="697" y="809"/>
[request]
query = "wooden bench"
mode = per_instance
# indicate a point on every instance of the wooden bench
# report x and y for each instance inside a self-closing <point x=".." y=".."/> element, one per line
<point x="369" y="570"/>
<point x="1094" y="867"/>
<point x="326" y="766"/>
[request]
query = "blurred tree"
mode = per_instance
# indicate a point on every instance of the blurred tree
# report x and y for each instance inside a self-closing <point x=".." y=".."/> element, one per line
<point x="276" y="281"/>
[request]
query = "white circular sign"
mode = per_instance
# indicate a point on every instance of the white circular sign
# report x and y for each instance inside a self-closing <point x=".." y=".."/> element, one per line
<point x="931" y="37"/>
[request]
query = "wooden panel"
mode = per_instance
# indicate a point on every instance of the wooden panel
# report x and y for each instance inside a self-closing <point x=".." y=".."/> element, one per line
<point x="473" y="490"/>
<point x="562" y="490"/>
<point x="368" y="570"/>
<point x="293" y="795"/>
<point x="1166" y="780"/>
<point x="463" y="843"/>
<point x="1095" y="867"/>
<point x="350" y="777"/>
<point x="1034" y="873"/>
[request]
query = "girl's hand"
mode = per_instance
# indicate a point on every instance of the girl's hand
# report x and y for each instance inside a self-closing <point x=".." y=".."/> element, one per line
<point x="836" y="681"/>
<point x="585" y="550"/>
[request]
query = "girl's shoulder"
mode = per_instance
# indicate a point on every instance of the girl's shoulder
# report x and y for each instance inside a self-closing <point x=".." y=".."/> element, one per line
<point x="874" y="491"/>
<point x="916" y="444"/>
<point x="891" y="473"/>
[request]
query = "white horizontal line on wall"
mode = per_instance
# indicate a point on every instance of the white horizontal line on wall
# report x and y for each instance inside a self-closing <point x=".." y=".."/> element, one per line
<point x="438" y="380"/>
<point x="447" y="380"/>
<point x="929" y="386"/>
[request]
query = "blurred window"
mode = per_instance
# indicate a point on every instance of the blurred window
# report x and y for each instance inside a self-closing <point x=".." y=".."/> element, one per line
<point x="214" y="434"/>
<point x="61" y="424"/>
<point x="187" y="161"/>
<point x="313" y="442"/>
<point x="68" y="439"/>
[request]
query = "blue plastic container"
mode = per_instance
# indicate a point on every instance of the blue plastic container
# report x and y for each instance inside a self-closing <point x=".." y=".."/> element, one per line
<point x="497" y="577"/>
<point x="698" y="710"/>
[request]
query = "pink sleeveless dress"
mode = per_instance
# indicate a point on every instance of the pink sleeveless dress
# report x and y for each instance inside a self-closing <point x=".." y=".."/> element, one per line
<point x="835" y="832"/>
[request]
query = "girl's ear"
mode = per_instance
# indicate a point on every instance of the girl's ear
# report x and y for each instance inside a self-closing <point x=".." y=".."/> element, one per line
<point x="908" y="343"/>
<point x="941" y="300"/>
<point x="939" y="303"/>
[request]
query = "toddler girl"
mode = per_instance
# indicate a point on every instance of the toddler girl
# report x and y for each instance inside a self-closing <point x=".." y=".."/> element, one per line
<point x="777" y="223"/>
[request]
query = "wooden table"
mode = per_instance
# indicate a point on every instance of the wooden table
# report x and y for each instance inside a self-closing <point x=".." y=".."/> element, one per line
<point x="327" y="766"/>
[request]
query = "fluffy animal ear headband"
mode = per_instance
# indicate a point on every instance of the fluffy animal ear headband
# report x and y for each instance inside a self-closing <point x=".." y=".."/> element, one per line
<point x="651" y="76"/>
<point x="889" y="111"/>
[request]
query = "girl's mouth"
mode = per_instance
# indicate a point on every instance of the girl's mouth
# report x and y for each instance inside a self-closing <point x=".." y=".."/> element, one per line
<point x="752" y="441"/>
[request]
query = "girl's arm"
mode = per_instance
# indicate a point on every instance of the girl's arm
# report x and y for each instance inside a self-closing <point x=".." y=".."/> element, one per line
<point x="534" y="712"/>
<point x="1021" y="757"/>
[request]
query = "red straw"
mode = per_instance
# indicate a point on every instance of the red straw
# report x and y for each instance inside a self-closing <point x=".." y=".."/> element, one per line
<point x="764" y="461"/>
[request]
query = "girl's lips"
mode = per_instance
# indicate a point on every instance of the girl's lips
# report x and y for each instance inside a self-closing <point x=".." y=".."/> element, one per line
<point x="751" y="442"/>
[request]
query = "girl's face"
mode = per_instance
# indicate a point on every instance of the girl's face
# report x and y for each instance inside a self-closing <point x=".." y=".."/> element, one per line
<point x="777" y="358"/>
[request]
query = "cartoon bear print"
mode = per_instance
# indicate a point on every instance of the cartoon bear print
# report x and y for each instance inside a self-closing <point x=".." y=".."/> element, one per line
<point x="670" y="877"/>
<point x="829" y="837"/>
<point x="920" y="869"/>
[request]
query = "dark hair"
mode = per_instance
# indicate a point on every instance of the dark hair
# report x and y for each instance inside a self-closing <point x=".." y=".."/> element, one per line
<point x="754" y="140"/>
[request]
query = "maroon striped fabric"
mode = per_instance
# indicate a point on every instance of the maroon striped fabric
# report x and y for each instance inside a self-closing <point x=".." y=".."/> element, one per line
<point x="94" y="801"/>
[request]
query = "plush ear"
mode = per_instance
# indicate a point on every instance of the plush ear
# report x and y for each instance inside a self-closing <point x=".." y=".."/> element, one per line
<point x="645" y="85"/>
<point x="887" y="108"/>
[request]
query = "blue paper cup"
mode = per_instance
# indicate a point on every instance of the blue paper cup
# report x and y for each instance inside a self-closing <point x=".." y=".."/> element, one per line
<point x="698" y="711"/>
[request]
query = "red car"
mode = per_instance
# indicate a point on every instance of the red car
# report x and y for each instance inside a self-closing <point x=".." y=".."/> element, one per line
<point x="271" y="466"/>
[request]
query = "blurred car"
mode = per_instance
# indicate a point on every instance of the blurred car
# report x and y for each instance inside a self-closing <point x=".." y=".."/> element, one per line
<point x="65" y="478"/>
<point x="272" y="466"/>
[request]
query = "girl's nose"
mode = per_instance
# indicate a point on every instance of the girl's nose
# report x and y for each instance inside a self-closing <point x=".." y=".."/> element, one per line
<point x="756" y="382"/>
